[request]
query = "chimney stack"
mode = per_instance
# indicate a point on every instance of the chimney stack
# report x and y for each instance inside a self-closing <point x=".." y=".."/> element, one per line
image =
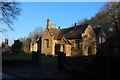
<point x="53" y="25"/>
<point x="48" y="23"/>
<point x="59" y="27"/>
<point x="75" y="24"/>
<point x="6" y="41"/>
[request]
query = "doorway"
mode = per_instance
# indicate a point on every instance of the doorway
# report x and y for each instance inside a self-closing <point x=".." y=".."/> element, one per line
<point x="89" y="50"/>
<point x="57" y="49"/>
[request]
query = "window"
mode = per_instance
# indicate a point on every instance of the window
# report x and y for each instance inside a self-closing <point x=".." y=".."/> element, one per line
<point x="101" y="39"/>
<point x="110" y="29"/>
<point x="90" y="41"/>
<point x="77" y="44"/>
<point x="47" y="43"/>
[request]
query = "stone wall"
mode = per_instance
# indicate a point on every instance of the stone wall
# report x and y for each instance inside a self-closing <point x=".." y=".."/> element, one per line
<point x="46" y="36"/>
<point x="89" y="41"/>
<point x="70" y="49"/>
<point x="75" y="50"/>
<point x="50" y="50"/>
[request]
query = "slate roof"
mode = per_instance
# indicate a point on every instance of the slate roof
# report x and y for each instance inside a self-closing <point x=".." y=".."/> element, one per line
<point x="69" y="33"/>
<point x="72" y="32"/>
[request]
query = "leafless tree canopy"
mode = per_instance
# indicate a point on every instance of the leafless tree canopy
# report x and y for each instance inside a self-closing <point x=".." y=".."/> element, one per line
<point x="38" y="32"/>
<point x="107" y="18"/>
<point x="8" y="12"/>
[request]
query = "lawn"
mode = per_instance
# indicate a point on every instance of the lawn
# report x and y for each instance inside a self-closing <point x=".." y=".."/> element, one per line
<point x="48" y="59"/>
<point x="17" y="57"/>
<point x="28" y="57"/>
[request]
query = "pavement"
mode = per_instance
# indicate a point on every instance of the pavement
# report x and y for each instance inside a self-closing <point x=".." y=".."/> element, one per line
<point x="30" y="71"/>
<point x="4" y="75"/>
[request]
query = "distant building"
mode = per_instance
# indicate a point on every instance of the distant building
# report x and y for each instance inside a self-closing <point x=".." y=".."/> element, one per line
<point x="73" y="41"/>
<point x="35" y="45"/>
<point x="5" y="47"/>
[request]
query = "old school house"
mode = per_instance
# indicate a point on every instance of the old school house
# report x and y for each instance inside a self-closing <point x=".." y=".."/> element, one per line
<point x="76" y="40"/>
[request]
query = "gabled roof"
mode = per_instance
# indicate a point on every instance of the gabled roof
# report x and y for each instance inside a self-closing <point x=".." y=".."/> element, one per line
<point x="72" y="32"/>
<point x="66" y="41"/>
<point x="54" y="32"/>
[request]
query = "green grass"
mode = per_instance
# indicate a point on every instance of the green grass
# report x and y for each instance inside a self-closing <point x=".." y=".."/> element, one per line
<point x="17" y="57"/>
<point x="28" y="57"/>
<point x="47" y="59"/>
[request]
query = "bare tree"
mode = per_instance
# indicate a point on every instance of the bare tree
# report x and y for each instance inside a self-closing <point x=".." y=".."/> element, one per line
<point x="113" y="8"/>
<point x="8" y="12"/>
<point x="38" y="32"/>
<point x="84" y="21"/>
<point x="108" y="18"/>
<point x="32" y="37"/>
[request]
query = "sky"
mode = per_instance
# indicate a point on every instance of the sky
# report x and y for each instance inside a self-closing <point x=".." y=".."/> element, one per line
<point x="63" y="14"/>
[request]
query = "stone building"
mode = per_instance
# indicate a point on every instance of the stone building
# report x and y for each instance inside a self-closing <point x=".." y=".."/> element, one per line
<point x="5" y="47"/>
<point x="73" y="41"/>
<point x="35" y="45"/>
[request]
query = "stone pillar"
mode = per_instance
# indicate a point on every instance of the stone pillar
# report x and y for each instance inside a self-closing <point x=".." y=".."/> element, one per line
<point x="53" y="46"/>
<point x="42" y="45"/>
<point x="83" y="49"/>
<point x="61" y="59"/>
<point x="68" y="50"/>
<point x="35" y="57"/>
